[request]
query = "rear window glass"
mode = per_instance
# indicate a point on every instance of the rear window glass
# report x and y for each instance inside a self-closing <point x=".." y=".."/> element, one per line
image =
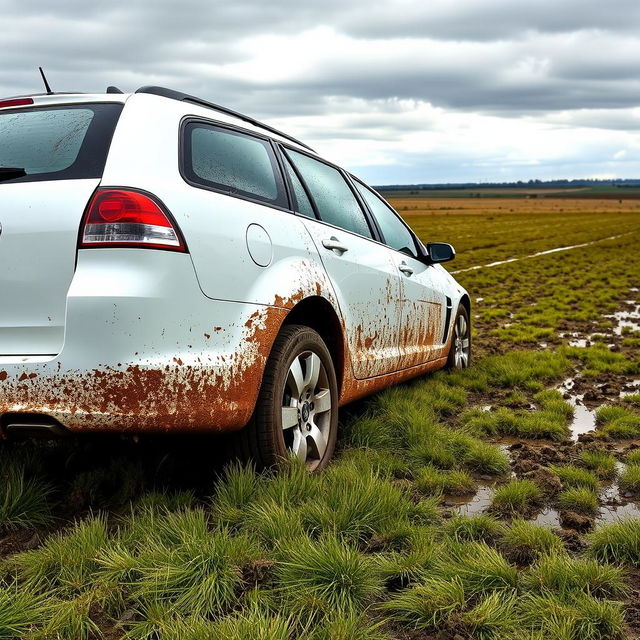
<point x="232" y="162"/>
<point x="56" y="143"/>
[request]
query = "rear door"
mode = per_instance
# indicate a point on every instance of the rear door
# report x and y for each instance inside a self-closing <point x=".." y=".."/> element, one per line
<point x="51" y="161"/>
<point x="363" y="272"/>
<point x="422" y="286"/>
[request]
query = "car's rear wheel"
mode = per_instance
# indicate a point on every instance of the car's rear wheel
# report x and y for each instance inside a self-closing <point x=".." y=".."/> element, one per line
<point x="297" y="410"/>
<point x="460" y="351"/>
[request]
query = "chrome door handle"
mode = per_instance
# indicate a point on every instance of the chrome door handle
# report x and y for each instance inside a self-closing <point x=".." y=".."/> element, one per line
<point x="405" y="268"/>
<point x="334" y="244"/>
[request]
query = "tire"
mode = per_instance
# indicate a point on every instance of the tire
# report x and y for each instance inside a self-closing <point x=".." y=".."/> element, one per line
<point x="289" y="395"/>
<point x="460" y="351"/>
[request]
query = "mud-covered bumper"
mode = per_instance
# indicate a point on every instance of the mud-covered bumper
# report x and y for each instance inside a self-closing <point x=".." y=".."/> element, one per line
<point x="144" y="350"/>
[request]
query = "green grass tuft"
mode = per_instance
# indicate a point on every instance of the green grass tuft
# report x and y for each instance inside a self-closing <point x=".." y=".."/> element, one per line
<point x="427" y="605"/>
<point x="524" y="541"/>
<point x="617" y="542"/>
<point x="478" y="528"/>
<point x="493" y="618"/>
<point x="579" y="499"/>
<point x="516" y="497"/>
<point x="20" y="611"/>
<point x="67" y="561"/>
<point x="561" y="574"/>
<point x="325" y="575"/>
<point x="479" y="567"/>
<point x="575" y="477"/>
<point x="602" y="463"/>
<point x="24" y="502"/>
<point x="433" y="481"/>
<point x="630" y="479"/>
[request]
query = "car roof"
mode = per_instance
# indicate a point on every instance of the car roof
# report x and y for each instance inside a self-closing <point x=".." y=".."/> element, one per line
<point x="115" y="95"/>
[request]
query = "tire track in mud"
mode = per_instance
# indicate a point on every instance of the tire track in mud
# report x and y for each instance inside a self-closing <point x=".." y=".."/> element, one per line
<point x="540" y="253"/>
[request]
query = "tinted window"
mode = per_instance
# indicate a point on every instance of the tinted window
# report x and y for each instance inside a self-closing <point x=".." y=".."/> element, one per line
<point x="396" y="235"/>
<point x="56" y="143"/>
<point x="333" y="198"/>
<point x="232" y="162"/>
<point x="302" y="203"/>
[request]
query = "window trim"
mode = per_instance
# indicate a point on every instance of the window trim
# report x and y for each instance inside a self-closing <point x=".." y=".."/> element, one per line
<point x="282" y="204"/>
<point x="412" y="233"/>
<point x="373" y="230"/>
<point x="283" y="159"/>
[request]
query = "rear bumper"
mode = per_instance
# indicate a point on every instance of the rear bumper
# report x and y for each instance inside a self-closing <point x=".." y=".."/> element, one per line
<point x="145" y="351"/>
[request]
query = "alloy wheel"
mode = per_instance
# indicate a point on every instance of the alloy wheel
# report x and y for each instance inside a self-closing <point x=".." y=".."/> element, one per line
<point x="306" y="409"/>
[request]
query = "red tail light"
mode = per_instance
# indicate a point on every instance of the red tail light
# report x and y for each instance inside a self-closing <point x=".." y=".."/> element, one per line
<point x="15" y="102"/>
<point x="122" y="218"/>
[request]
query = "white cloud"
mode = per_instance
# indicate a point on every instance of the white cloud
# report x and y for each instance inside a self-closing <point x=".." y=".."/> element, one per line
<point x="399" y="90"/>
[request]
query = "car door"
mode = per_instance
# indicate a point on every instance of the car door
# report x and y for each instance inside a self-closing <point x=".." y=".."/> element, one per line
<point x="424" y="303"/>
<point x="363" y="272"/>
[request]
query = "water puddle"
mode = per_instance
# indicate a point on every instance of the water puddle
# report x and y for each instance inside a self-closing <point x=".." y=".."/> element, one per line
<point x="627" y="320"/>
<point x="631" y="389"/>
<point x="477" y="504"/>
<point x="614" y="505"/>
<point x="584" y="419"/>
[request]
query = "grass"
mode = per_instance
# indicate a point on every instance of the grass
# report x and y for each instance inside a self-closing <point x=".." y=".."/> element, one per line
<point x="523" y="542"/>
<point x="579" y="499"/>
<point x="618" y="422"/>
<point x="563" y="575"/>
<point x="478" y="528"/>
<point x="431" y="480"/>
<point x="517" y="497"/>
<point x="575" y="477"/>
<point x="428" y="605"/>
<point x="630" y="479"/>
<point x="617" y="542"/>
<point x="365" y="551"/>
<point x="24" y="502"/>
<point x="493" y="618"/>
<point x="580" y="617"/>
<point x="67" y="561"/>
<point x="325" y="576"/>
<point x="633" y="457"/>
<point x="20" y="611"/>
<point x="479" y="567"/>
<point x="602" y="463"/>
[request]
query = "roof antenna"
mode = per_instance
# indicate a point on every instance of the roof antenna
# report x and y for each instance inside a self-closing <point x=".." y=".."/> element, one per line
<point x="46" y="84"/>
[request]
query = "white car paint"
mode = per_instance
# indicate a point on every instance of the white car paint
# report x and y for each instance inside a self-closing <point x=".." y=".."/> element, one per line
<point x="135" y="340"/>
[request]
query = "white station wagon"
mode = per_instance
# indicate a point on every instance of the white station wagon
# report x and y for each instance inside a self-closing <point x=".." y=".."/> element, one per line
<point x="170" y="265"/>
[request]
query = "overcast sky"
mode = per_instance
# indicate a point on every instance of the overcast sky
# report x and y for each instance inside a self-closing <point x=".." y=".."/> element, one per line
<point x="398" y="91"/>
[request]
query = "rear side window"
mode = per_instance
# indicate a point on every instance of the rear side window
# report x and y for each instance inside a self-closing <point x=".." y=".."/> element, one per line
<point x="301" y="203"/>
<point x="396" y="235"/>
<point x="331" y="194"/>
<point x="232" y="162"/>
<point x="56" y="143"/>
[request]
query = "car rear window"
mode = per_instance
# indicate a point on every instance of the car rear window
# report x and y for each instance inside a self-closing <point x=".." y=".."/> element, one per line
<point x="58" y="142"/>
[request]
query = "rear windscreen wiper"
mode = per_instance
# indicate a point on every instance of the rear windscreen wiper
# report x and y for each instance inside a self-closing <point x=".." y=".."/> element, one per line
<point x="8" y="173"/>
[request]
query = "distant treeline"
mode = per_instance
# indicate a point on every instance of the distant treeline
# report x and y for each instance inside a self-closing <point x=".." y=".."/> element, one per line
<point x="538" y="184"/>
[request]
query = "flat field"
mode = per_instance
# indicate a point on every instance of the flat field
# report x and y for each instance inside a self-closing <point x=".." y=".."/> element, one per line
<point x="497" y="503"/>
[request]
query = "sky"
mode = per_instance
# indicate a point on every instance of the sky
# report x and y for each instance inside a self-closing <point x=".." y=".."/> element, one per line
<point x="397" y="91"/>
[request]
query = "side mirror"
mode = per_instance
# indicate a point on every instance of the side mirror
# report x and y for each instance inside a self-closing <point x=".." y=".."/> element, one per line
<point x="440" y="252"/>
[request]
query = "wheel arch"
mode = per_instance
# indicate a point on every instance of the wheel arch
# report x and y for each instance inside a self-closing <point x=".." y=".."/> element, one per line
<point x="465" y="301"/>
<point x="318" y="314"/>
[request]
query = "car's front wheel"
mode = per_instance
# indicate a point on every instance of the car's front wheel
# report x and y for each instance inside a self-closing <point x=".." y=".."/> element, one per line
<point x="460" y="351"/>
<point x="297" y="410"/>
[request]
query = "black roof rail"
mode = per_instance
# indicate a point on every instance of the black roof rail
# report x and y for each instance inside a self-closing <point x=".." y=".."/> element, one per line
<point x="185" y="97"/>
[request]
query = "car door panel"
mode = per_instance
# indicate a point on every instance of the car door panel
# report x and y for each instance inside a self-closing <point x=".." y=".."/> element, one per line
<point x="367" y="288"/>
<point x="424" y="308"/>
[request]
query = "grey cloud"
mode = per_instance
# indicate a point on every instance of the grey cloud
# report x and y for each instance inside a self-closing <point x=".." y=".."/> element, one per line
<point x="543" y="59"/>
